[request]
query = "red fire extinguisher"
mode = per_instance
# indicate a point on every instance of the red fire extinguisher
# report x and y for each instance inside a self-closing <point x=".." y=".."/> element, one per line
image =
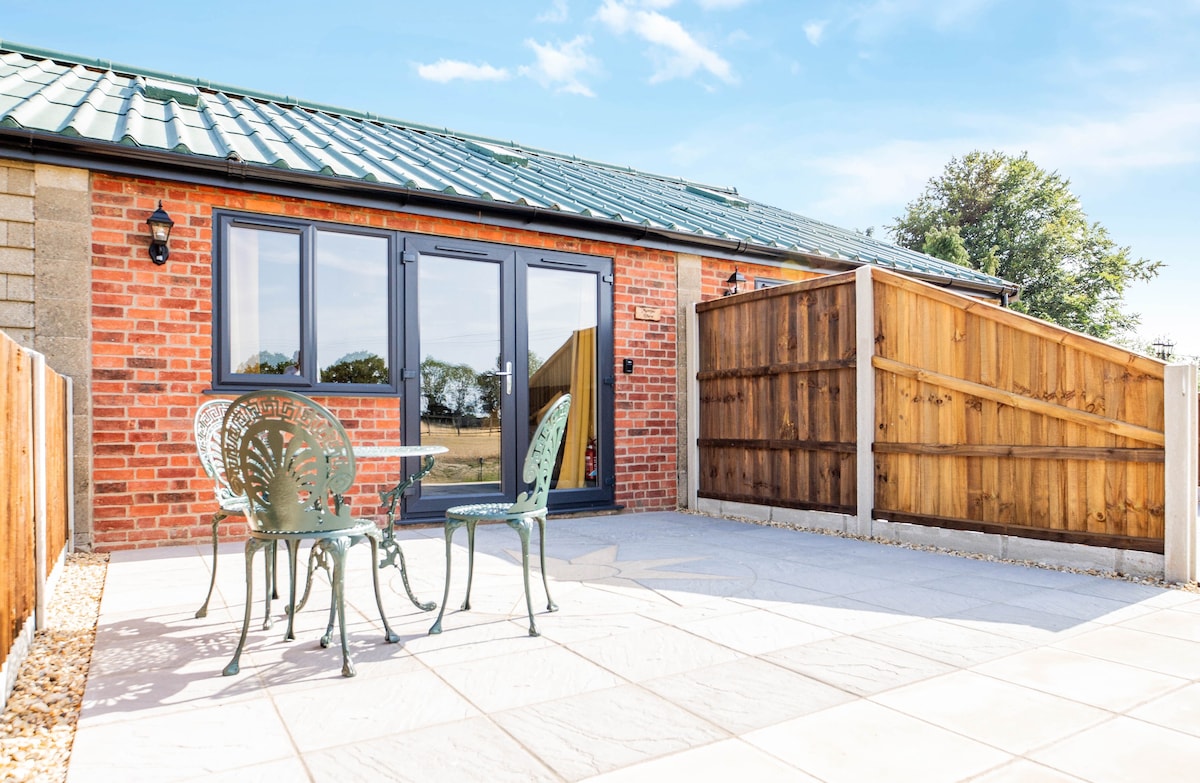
<point x="589" y="461"/>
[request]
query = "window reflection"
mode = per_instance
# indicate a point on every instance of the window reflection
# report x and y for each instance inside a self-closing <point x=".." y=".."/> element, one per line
<point x="264" y="296"/>
<point x="562" y="360"/>
<point x="459" y="305"/>
<point x="352" y="308"/>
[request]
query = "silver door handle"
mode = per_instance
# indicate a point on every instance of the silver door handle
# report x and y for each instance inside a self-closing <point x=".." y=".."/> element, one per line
<point x="507" y="374"/>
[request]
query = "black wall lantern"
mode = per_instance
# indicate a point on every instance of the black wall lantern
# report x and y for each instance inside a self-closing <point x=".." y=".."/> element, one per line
<point x="160" y="231"/>
<point x="733" y="280"/>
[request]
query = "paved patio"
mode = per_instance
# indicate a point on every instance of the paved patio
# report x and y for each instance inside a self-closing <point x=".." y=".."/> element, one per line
<point x="686" y="647"/>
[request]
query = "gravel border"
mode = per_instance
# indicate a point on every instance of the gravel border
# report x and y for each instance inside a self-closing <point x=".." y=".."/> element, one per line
<point x="38" y="725"/>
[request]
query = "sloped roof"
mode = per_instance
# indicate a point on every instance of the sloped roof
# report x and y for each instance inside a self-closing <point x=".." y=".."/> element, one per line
<point x="99" y="101"/>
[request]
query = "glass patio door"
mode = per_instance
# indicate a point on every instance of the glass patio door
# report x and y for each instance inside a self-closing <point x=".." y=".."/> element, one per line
<point x="466" y="376"/>
<point x="499" y="335"/>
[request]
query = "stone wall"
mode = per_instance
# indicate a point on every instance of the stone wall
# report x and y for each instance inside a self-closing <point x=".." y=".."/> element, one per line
<point x="45" y="249"/>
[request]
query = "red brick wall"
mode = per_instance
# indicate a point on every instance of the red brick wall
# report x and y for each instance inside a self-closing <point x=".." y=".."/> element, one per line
<point x="151" y="344"/>
<point x="715" y="274"/>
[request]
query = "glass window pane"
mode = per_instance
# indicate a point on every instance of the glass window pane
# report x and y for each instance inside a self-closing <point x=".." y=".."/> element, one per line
<point x="263" y="269"/>
<point x="460" y="354"/>
<point x="352" y="308"/>
<point x="562" y="360"/>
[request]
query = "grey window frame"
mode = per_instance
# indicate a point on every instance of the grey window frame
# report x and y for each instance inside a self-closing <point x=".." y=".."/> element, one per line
<point x="226" y="380"/>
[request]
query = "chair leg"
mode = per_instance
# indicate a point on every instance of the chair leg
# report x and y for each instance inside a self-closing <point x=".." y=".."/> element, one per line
<point x="316" y="559"/>
<point x="275" y="575"/>
<point x="466" y="604"/>
<point x="252" y="546"/>
<point x="451" y="526"/>
<point x="550" y="605"/>
<point x="337" y="548"/>
<point x="293" y="547"/>
<point x="523" y="527"/>
<point x="328" y="555"/>
<point x="212" y="583"/>
<point x="388" y="634"/>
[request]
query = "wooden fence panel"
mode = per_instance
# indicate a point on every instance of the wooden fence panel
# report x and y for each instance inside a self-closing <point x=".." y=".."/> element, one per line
<point x="986" y="419"/>
<point x="58" y="465"/>
<point x="989" y="420"/>
<point x="17" y="562"/>
<point x="777" y="396"/>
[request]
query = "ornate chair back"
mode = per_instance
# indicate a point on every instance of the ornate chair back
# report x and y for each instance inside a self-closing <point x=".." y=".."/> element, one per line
<point x="292" y="460"/>
<point x="207" y="429"/>
<point x="542" y="454"/>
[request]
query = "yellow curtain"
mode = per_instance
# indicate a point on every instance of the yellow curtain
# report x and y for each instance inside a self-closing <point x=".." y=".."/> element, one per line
<point x="581" y="419"/>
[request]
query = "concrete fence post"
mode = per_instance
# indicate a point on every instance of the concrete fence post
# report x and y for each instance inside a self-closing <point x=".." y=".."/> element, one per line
<point x="40" y="488"/>
<point x="1182" y="553"/>
<point x="864" y="309"/>
<point x="69" y="415"/>
<point x="693" y="407"/>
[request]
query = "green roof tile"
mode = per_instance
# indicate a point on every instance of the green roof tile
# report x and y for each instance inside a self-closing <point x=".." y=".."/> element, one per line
<point x="97" y="100"/>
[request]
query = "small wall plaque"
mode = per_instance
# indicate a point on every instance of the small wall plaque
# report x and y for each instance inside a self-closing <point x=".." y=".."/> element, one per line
<point x="647" y="314"/>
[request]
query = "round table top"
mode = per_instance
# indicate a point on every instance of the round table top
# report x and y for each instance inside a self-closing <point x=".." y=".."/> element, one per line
<point x="424" y="450"/>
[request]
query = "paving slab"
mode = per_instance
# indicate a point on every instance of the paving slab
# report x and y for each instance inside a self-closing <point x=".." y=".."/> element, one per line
<point x="684" y="647"/>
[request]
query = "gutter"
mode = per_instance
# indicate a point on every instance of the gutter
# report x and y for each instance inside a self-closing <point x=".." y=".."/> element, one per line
<point x="145" y="162"/>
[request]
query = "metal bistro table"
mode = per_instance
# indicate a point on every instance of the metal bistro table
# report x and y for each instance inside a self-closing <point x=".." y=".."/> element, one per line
<point x="390" y="499"/>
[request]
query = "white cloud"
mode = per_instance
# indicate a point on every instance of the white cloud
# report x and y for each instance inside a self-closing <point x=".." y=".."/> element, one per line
<point x="1167" y="134"/>
<point x="721" y="5"/>
<point x="556" y="14"/>
<point x="448" y="70"/>
<point x="560" y="67"/>
<point x="676" y="52"/>
<point x="815" y="31"/>
<point x="874" y="183"/>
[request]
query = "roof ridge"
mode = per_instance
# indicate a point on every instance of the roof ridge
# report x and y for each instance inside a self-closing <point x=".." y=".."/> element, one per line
<point x="326" y="108"/>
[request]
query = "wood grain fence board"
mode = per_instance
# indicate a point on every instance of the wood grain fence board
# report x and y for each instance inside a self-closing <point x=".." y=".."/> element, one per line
<point x="1090" y="420"/>
<point x="772" y="382"/>
<point x="58" y="467"/>
<point x="971" y="449"/>
<point x="1011" y="319"/>
<point x="17" y="563"/>
<point x="779" y="368"/>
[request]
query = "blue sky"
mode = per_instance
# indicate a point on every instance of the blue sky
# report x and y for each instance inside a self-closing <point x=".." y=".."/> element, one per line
<point x="839" y="110"/>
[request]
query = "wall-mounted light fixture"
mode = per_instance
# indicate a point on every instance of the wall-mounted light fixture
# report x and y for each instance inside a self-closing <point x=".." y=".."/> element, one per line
<point x="160" y="231"/>
<point x="733" y="280"/>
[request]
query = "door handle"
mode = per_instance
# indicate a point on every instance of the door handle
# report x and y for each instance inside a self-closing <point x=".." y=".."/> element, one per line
<point x="507" y="375"/>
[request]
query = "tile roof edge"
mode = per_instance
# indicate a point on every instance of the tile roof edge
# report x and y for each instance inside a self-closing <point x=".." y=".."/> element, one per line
<point x="326" y="108"/>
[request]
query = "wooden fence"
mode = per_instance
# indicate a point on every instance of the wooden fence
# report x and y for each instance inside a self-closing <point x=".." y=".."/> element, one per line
<point x="35" y="495"/>
<point x="777" y="396"/>
<point x="989" y="420"/>
<point x="984" y="419"/>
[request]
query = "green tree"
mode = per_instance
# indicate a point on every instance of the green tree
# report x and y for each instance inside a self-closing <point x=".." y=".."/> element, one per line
<point x="449" y="389"/>
<point x="265" y="363"/>
<point x="946" y="244"/>
<point x="358" y="367"/>
<point x="1022" y="223"/>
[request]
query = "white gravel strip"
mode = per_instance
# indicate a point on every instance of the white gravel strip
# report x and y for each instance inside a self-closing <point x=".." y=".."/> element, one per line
<point x="39" y="721"/>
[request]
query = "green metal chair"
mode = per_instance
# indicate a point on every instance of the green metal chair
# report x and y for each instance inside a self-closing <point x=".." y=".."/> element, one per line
<point x="530" y="506"/>
<point x="206" y="427"/>
<point x="292" y="461"/>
